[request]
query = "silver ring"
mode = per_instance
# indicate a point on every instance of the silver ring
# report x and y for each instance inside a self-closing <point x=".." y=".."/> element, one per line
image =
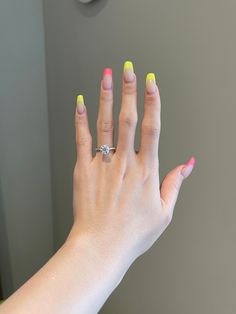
<point x="104" y="149"/>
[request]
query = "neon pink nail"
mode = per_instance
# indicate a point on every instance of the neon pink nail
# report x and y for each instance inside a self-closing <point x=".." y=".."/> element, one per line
<point x="187" y="169"/>
<point x="107" y="71"/>
<point x="107" y="79"/>
<point x="191" y="162"/>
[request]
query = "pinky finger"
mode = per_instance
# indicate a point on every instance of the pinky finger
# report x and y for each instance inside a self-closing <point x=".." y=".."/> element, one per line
<point x="82" y="132"/>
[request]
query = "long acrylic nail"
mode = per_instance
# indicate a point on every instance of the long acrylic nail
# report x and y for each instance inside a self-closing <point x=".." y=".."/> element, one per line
<point x="107" y="78"/>
<point x="150" y="83"/>
<point x="80" y="104"/>
<point x="128" y="71"/>
<point x="188" y="167"/>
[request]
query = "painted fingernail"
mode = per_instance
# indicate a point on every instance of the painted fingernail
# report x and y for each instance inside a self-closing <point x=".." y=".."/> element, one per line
<point x="128" y="71"/>
<point x="150" y="83"/>
<point x="188" y="167"/>
<point x="107" y="78"/>
<point x="80" y="104"/>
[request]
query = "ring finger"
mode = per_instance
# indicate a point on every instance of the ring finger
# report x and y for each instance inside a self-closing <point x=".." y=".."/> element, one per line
<point x="105" y="120"/>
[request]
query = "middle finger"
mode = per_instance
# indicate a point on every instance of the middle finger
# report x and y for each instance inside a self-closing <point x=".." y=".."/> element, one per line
<point x="128" y="116"/>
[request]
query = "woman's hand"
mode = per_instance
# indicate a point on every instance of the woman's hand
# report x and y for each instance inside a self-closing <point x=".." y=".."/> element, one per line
<point x="117" y="201"/>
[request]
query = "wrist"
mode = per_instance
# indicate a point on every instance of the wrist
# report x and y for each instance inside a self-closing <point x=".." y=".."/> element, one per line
<point x="102" y="253"/>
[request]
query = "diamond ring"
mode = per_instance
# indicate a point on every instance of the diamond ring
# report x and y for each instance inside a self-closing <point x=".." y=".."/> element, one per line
<point x="104" y="149"/>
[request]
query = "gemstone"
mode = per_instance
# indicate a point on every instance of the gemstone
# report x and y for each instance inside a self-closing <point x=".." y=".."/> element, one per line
<point x="105" y="149"/>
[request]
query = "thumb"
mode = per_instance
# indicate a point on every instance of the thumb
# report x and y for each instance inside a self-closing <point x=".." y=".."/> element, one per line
<point x="170" y="186"/>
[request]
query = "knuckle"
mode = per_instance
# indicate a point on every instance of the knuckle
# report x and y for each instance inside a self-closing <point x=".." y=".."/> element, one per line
<point x="105" y="126"/>
<point x="80" y="121"/>
<point x="130" y="121"/>
<point x="76" y="174"/>
<point x="80" y="172"/>
<point x="130" y="88"/>
<point x="167" y="217"/>
<point x="151" y="130"/>
<point x="83" y="140"/>
<point x="106" y="96"/>
<point x="176" y="184"/>
<point x="151" y="99"/>
<point x="145" y="173"/>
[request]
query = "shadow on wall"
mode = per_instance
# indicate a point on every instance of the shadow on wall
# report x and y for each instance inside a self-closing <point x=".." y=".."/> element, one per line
<point x="5" y="267"/>
<point x="91" y="9"/>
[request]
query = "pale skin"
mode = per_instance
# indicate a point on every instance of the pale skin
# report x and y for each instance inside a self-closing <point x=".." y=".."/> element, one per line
<point x="120" y="208"/>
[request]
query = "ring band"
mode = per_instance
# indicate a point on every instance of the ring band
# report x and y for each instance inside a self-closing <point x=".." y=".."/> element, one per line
<point x="104" y="149"/>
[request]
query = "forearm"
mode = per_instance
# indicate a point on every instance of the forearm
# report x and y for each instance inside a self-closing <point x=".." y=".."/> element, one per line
<point x="77" y="279"/>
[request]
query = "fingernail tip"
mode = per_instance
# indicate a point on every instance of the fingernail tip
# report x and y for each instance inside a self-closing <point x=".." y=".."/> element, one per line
<point x="191" y="161"/>
<point x="128" y="65"/>
<point x="80" y="99"/>
<point x="151" y="76"/>
<point x="107" y="71"/>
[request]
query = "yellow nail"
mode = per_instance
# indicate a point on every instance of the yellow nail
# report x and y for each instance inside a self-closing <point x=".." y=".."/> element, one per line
<point x="128" y="65"/>
<point x="151" y="76"/>
<point x="80" y="99"/>
<point x="80" y="103"/>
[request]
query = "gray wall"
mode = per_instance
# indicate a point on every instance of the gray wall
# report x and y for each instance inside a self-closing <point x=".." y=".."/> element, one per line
<point x="190" y="45"/>
<point x="26" y="235"/>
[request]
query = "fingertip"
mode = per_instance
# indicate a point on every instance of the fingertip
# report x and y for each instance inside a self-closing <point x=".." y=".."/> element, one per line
<point x="107" y="81"/>
<point x="188" y="167"/>
<point x="186" y="171"/>
<point x="128" y="72"/>
<point x="191" y="161"/>
<point x="80" y="104"/>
